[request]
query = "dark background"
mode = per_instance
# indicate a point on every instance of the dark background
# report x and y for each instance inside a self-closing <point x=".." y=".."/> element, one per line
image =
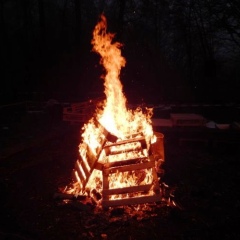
<point x="176" y="51"/>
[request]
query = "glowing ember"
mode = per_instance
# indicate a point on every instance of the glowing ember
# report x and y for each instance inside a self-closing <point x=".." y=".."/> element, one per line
<point x="115" y="136"/>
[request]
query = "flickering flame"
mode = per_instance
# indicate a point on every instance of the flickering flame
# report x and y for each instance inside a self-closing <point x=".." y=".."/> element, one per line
<point x="115" y="118"/>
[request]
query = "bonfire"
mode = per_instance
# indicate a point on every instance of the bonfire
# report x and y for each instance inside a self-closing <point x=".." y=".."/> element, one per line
<point x="119" y="155"/>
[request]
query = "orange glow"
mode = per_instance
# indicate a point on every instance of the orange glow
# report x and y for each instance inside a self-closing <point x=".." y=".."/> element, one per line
<point x="114" y="116"/>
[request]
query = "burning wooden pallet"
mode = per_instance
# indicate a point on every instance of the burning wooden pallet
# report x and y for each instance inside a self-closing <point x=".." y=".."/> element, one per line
<point x="142" y="170"/>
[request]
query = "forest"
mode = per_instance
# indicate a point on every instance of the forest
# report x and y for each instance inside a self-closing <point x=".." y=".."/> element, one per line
<point x="177" y="51"/>
<point x="182" y="61"/>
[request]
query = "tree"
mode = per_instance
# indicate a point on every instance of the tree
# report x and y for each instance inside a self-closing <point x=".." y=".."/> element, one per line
<point x="78" y="21"/>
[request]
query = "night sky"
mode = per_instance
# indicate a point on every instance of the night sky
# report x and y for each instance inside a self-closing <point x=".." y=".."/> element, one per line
<point x="176" y="51"/>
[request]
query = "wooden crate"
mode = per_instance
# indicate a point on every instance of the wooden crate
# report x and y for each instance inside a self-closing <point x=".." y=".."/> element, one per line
<point x="187" y="120"/>
<point x="88" y="161"/>
<point x="78" y="112"/>
<point x="145" y="195"/>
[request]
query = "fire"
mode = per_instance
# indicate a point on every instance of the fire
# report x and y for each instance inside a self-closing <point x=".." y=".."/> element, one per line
<point x="115" y="116"/>
<point x="122" y="123"/>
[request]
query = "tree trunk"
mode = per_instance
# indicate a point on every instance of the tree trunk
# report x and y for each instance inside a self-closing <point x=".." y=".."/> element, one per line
<point x="4" y="36"/>
<point x="64" y="34"/>
<point x="122" y="5"/>
<point x="42" y="23"/>
<point x="78" y="21"/>
<point x="6" y="53"/>
<point x="27" y="22"/>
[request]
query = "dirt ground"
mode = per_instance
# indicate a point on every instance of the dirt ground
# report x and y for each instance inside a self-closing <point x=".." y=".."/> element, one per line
<point x="205" y="177"/>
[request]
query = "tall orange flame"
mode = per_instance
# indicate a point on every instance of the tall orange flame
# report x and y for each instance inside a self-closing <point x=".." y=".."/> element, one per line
<point x="116" y="118"/>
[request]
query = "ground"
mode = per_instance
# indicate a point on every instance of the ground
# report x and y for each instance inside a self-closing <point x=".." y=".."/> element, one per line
<point x="203" y="174"/>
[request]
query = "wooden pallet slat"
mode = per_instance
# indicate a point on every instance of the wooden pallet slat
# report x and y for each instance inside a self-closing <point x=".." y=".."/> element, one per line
<point x="126" y="162"/>
<point x="131" y="201"/>
<point x="131" y="167"/>
<point x="141" y="188"/>
<point x="88" y="159"/>
<point x="78" y="168"/>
